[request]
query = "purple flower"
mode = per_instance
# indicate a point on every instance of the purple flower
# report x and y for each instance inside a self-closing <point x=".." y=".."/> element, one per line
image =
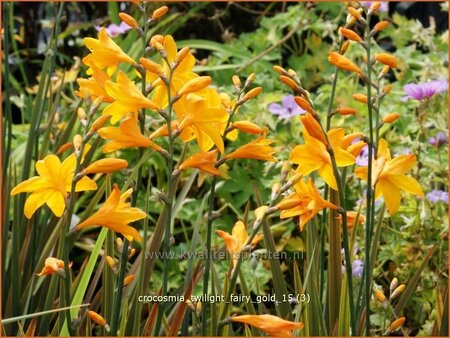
<point x="383" y="8"/>
<point x="438" y="195"/>
<point x="357" y="268"/>
<point x="421" y="91"/>
<point x="438" y="140"/>
<point x="287" y="109"/>
<point x="113" y="30"/>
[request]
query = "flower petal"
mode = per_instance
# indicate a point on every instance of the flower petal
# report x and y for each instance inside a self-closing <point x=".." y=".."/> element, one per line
<point x="56" y="203"/>
<point x="391" y="195"/>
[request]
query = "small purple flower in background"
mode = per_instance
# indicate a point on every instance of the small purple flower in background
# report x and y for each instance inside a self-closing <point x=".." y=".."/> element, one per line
<point x="287" y="109"/>
<point x="113" y="30"/>
<point x="383" y="8"/>
<point x="421" y="91"/>
<point x="357" y="268"/>
<point x="438" y="195"/>
<point x="438" y="140"/>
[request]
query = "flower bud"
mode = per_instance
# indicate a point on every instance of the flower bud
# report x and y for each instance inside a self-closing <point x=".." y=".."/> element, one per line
<point x="288" y="203"/>
<point x="394" y="284"/>
<point x="236" y="81"/>
<point x="250" y="79"/>
<point x="129" y="20"/>
<point x="396" y="324"/>
<point x="261" y="212"/>
<point x="381" y="26"/>
<point x="128" y="279"/>
<point x="99" y="123"/>
<point x="96" y="318"/>
<point x="380" y="296"/>
<point x="63" y="148"/>
<point x="275" y="190"/>
<point x="387" y="89"/>
<point x="111" y="262"/>
<point x="354" y="12"/>
<point x="349" y="34"/>
<point x="151" y="66"/>
<point x="304" y="104"/>
<point x="344" y="47"/>
<point x="360" y="97"/>
<point x="279" y="69"/>
<point x="289" y="82"/>
<point x="106" y="165"/>
<point x="386" y="59"/>
<point x="252" y="93"/>
<point x="343" y="62"/>
<point x="248" y="127"/>
<point x="182" y="53"/>
<point x="119" y="242"/>
<point x="345" y="111"/>
<point x="390" y="118"/>
<point x="398" y="291"/>
<point x="77" y="141"/>
<point x="385" y="70"/>
<point x="158" y="13"/>
<point x="81" y="113"/>
<point x="195" y="85"/>
<point x="375" y="6"/>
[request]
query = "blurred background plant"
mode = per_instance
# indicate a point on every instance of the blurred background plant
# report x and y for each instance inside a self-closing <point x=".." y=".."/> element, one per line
<point x="42" y="45"/>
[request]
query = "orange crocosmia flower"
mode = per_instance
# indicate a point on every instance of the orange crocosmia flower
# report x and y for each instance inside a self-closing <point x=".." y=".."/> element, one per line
<point x="52" y="184"/>
<point x="182" y="73"/>
<point x="105" y="53"/>
<point x="236" y="240"/>
<point x="204" y="161"/>
<point x="127" y="98"/>
<point x="272" y="325"/>
<point x="351" y="219"/>
<point x="115" y="214"/>
<point x="202" y="117"/>
<point x="388" y="177"/>
<point x="305" y="202"/>
<point x="313" y="127"/>
<point x="258" y="149"/>
<point x="52" y="265"/>
<point x="343" y="62"/>
<point x="128" y="135"/>
<point x="95" y="85"/>
<point x="313" y="155"/>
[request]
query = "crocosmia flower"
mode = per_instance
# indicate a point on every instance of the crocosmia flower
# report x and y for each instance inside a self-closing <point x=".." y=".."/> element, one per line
<point x="272" y="325"/>
<point x="422" y="91"/>
<point x="52" y="185"/>
<point x="287" y="109"/>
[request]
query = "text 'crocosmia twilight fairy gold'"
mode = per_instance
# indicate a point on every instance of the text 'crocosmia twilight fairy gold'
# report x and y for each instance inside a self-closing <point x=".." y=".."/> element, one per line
<point x="236" y="240"/>
<point x="182" y="73"/>
<point x="52" y="265"/>
<point x="313" y="155"/>
<point x="204" y="161"/>
<point x="272" y="325"/>
<point x="258" y="149"/>
<point x="202" y="117"/>
<point x="115" y="214"/>
<point x="52" y="185"/>
<point x="305" y="202"/>
<point x="388" y="177"/>
<point x="128" y="135"/>
<point x="127" y="98"/>
<point x="105" y="53"/>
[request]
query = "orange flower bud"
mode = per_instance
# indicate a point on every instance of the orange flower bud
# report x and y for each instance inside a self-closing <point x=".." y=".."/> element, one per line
<point x="289" y="82"/>
<point x="381" y="26"/>
<point x="375" y="6"/>
<point x="354" y="12"/>
<point x="128" y="279"/>
<point x="342" y="62"/>
<point x="360" y="97"/>
<point x="288" y="203"/>
<point x="313" y="127"/>
<point x="385" y="70"/>
<point x="195" y="85"/>
<point x="129" y="20"/>
<point x="304" y="104"/>
<point x="380" y="296"/>
<point x="349" y="34"/>
<point x="387" y="89"/>
<point x="248" y="127"/>
<point x="151" y="66"/>
<point x="236" y="81"/>
<point x="345" y="111"/>
<point x="96" y="318"/>
<point x="111" y="262"/>
<point x="158" y="13"/>
<point x="386" y="59"/>
<point x="252" y="93"/>
<point x="396" y="324"/>
<point x="99" y="123"/>
<point x="392" y="117"/>
<point x="63" y="148"/>
<point x="182" y="53"/>
<point x="295" y="178"/>
<point x="344" y="47"/>
<point x="106" y="165"/>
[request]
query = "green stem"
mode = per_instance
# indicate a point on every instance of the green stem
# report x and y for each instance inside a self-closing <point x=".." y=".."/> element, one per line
<point x="119" y="288"/>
